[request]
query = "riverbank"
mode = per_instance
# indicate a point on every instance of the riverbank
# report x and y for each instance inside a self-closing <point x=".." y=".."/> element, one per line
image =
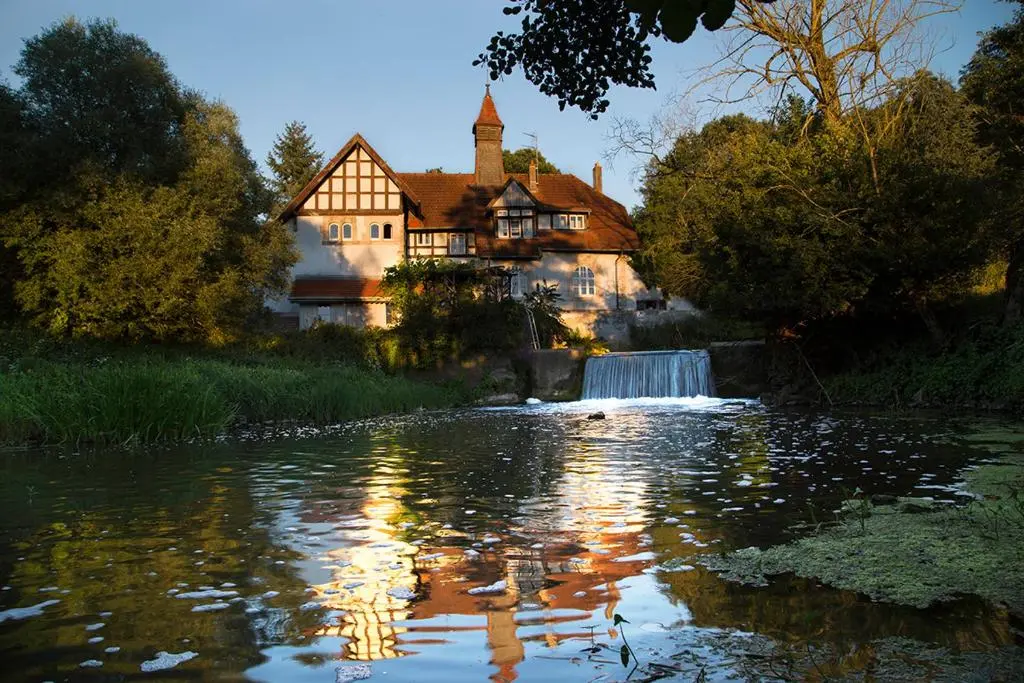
<point x="912" y="552"/>
<point x="60" y="392"/>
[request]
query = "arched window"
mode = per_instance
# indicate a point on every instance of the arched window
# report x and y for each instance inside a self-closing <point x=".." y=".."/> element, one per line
<point x="374" y="231"/>
<point x="332" y="232"/>
<point x="387" y="231"/>
<point x="346" y="231"/>
<point x="583" y="281"/>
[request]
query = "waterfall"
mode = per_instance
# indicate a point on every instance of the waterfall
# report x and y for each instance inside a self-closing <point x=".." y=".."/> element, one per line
<point x="649" y="374"/>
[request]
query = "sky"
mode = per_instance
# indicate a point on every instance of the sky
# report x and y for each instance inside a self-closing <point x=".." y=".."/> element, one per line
<point x="400" y="72"/>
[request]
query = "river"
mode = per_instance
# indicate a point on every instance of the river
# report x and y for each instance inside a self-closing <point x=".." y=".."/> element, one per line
<point x="291" y="555"/>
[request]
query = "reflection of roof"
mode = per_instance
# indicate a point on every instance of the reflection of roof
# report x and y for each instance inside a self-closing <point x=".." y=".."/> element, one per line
<point x="451" y="200"/>
<point x="335" y="289"/>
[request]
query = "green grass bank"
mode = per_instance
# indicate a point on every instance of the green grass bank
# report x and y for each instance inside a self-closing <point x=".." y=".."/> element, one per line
<point x="66" y="392"/>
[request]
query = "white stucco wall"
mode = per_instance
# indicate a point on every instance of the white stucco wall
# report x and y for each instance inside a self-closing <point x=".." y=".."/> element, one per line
<point x="616" y="284"/>
<point x="358" y="257"/>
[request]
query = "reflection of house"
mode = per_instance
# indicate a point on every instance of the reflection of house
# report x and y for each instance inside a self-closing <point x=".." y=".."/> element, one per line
<point x="357" y="217"/>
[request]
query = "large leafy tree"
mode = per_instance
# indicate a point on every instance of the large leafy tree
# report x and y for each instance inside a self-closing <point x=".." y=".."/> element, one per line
<point x="519" y="161"/>
<point x="140" y="214"/>
<point x="789" y="220"/>
<point x="294" y="160"/>
<point x="994" y="80"/>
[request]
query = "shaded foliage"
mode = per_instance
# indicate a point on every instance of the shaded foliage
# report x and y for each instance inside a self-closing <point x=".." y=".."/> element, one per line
<point x="994" y="81"/>
<point x="130" y="207"/>
<point x="446" y="309"/>
<point x="787" y="222"/>
<point x="519" y="161"/>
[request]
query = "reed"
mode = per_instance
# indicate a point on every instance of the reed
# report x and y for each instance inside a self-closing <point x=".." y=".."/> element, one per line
<point x="148" y="399"/>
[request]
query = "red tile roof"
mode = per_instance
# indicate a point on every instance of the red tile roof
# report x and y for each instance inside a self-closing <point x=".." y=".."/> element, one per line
<point x="451" y="200"/>
<point x="335" y="289"/>
<point x="488" y="112"/>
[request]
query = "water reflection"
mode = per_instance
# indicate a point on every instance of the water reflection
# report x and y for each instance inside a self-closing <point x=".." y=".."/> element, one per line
<point x="372" y="544"/>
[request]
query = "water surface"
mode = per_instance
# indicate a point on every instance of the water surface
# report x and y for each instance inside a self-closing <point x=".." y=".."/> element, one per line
<point x="362" y="544"/>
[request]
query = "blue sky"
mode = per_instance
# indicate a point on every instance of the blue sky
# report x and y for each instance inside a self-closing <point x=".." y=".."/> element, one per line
<point x="399" y="71"/>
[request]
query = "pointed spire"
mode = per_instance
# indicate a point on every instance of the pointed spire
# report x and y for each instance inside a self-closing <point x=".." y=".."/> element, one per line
<point x="488" y="112"/>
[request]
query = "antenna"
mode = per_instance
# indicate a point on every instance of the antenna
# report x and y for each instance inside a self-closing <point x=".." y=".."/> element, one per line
<point x="536" y="150"/>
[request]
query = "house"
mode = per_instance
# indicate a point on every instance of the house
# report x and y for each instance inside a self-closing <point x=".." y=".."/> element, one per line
<point x="357" y="217"/>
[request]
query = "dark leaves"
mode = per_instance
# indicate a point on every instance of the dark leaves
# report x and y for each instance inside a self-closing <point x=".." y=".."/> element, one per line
<point x="624" y="655"/>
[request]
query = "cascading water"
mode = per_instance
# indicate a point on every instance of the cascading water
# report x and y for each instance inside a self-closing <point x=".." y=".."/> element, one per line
<point x="649" y="374"/>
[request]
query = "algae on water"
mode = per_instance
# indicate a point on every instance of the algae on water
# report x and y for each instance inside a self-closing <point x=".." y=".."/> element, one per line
<point x="913" y="559"/>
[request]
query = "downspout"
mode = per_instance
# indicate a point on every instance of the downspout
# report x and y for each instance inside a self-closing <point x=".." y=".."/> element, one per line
<point x="617" y="279"/>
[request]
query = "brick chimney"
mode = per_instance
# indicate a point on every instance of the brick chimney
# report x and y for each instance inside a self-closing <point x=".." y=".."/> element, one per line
<point x="597" y="177"/>
<point x="490" y="167"/>
<point x="533" y="175"/>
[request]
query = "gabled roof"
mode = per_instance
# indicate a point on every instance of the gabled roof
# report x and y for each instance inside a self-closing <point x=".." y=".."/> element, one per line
<point x="356" y="140"/>
<point x="488" y="112"/>
<point x="451" y="200"/>
<point x="509" y="181"/>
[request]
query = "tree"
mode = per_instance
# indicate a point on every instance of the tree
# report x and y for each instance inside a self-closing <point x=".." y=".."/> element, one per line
<point x="576" y="49"/>
<point x="153" y="227"/>
<point x="519" y="161"/>
<point x="994" y="80"/>
<point x="294" y="161"/>
<point x="104" y="99"/>
<point x="783" y="221"/>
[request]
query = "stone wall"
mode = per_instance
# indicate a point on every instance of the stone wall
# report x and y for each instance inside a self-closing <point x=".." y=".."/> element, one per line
<point x="556" y="374"/>
<point x="740" y="368"/>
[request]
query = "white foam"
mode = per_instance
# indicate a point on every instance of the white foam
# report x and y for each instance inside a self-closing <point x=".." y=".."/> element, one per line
<point x="25" y="612"/>
<point x="166" y="660"/>
<point x="496" y="587"/>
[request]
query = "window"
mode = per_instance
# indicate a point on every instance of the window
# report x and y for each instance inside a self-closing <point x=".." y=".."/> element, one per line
<point x="577" y="222"/>
<point x="374" y="231"/>
<point x="332" y="232"/>
<point x="515" y="228"/>
<point x="583" y="281"/>
<point x="544" y="221"/>
<point x="346" y="231"/>
<point x="323" y="314"/>
<point x="560" y="222"/>
<point x="457" y="244"/>
<point x="387" y="231"/>
<point x="424" y="239"/>
<point x="503" y="228"/>
<point x="517" y="283"/>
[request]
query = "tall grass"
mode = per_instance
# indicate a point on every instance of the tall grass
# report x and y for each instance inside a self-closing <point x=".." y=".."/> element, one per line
<point x="148" y="399"/>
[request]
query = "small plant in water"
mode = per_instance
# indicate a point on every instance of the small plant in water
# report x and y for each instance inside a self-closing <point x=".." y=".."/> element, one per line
<point x="858" y="505"/>
<point x="626" y="652"/>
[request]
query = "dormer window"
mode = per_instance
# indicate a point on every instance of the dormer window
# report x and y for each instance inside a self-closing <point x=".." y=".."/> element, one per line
<point x="577" y="221"/>
<point x="515" y="223"/>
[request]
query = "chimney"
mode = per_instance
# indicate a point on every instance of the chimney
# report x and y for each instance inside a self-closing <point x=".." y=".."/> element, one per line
<point x="533" y="175"/>
<point x="490" y="167"/>
<point x="597" y="177"/>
